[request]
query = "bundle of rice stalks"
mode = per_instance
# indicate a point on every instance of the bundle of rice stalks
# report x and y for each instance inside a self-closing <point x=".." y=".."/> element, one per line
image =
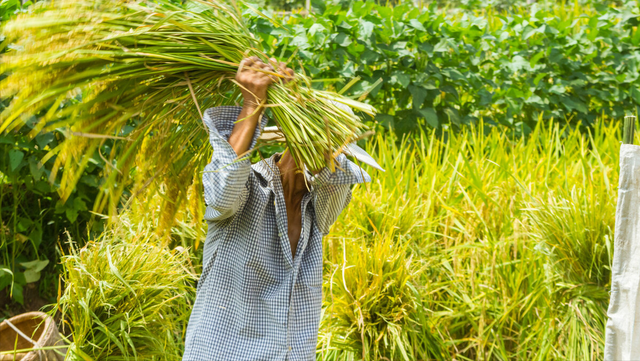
<point x="109" y="74"/>
<point x="371" y="304"/>
<point x="126" y="299"/>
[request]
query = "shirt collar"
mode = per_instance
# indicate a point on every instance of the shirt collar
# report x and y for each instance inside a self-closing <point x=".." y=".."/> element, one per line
<point x="267" y="168"/>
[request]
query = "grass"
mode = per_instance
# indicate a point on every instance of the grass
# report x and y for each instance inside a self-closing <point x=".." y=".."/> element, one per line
<point x="479" y="247"/>
<point x="508" y="242"/>
<point x="126" y="298"/>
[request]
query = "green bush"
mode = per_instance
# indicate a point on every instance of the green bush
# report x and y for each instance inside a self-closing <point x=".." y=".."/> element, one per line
<point x="33" y="217"/>
<point x="569" y="63"/>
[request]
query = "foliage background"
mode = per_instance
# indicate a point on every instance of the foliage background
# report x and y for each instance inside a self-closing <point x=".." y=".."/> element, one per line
<point x="568" y="63"/>
<point x="32" y="217"/>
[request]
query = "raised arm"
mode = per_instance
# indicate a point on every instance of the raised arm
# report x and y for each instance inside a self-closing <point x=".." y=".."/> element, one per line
<point x="233" y="132"/>
<point x="253" y="85"/>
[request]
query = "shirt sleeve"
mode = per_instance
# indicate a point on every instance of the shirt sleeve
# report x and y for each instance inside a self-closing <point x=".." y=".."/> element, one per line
<point x="225" y="177"/>
<point x="333" y="191"/>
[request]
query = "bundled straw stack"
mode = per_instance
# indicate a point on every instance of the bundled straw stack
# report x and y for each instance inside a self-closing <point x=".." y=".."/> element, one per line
<point x="126" y="299"/>
<point x="117" y="72"/>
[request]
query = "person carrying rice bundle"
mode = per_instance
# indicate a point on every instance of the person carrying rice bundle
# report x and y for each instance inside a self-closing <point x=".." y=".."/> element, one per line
<point x="260" y="293"/>
<point x="114" y="77"/>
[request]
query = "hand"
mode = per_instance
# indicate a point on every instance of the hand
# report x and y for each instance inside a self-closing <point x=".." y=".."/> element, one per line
<point x="254" y="78"/>
<point x="288" y="73"/>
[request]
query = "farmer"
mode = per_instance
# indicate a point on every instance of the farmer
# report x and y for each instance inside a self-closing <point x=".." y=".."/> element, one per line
<point x="260" y="293"/>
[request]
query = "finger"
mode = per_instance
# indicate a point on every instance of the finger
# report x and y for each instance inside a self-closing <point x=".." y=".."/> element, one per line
<point x="288" y="73"/>
<point x="243" y="64"/>
<point x="264" y="76"/>
<point x="282" y="68"/>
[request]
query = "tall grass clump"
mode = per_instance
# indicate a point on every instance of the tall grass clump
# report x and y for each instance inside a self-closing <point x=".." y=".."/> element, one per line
<point x="370" y="303"/>
<point x="126" y="298"/>
<point x="510" y="242"/>
<point x="110" y="74"/>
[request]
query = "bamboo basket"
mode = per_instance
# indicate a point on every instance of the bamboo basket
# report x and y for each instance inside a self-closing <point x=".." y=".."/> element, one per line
<point x="42" y="331"/>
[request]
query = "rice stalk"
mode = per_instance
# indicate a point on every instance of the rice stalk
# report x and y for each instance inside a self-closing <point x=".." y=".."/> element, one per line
<point x="126" y="298"/>
<point x="111" y="73"/>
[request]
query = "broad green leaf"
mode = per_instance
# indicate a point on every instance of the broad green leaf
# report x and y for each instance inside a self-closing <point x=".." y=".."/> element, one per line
<point x="79" y="204"/>
<point x="36" y="236"/>
<point x="528" y="32"/>
<point x="430" y="115"/>
<point x="453" y="74"/>
<point x="6" y="139"/>
<point x="635" y="40"/>
<point x="534" y="60"/>
<point x="486" y="97"/>
<point x="6" y="277"/>
<point x="450" y="90"/>
<point x="557" y="89"/>
<point x="35" y="169"/>
<point x="71" y="213"/>
<point x="37" y="265"/>
<point x="635" y="94"/>
<point x="16" y="290"/>
<point x="342" y="39"/>
<point x="441" y="46"/>
<point x="15" y="157"/>
<point x="43" y="139"/>
<point x="535" y="100"/>
<point x="31" y="276"/>
<point x="574" y="104"/>
<point x="539" y="77"/>
<point x="366" y="28"/>
<point x="400" y="78"/>
<point x="316" y="28"/>
<point x="385" y="120"/>
<point x="369" y="56"/>
<point x="300" y="41"/>
<point x="385" y="12"/>
<point x="518" y="63"/>
<point x="416" y="25"/>
<point x="418" y="94"/>
<point x="453" y="115"/>
<point x="345" y="25"/>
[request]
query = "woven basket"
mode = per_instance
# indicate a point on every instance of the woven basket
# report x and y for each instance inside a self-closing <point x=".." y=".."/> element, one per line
<point x="40" y="328"/>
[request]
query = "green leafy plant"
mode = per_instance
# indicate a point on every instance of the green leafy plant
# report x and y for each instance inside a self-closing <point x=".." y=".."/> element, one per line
<point x="569" y="62"/>
<point x="32" y="217"/>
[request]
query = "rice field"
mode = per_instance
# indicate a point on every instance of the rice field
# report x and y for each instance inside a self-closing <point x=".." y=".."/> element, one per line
<point x="471" y="246"/>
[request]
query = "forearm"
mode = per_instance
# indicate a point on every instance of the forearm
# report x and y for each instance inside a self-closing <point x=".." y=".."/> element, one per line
<point x="243" y="131"/>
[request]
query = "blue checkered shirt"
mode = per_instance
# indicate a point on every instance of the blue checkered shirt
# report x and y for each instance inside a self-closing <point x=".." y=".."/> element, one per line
<point x="254" y="300"/>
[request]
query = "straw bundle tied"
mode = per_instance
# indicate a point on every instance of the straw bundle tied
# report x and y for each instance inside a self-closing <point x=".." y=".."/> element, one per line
<point x="118" y="73"/>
